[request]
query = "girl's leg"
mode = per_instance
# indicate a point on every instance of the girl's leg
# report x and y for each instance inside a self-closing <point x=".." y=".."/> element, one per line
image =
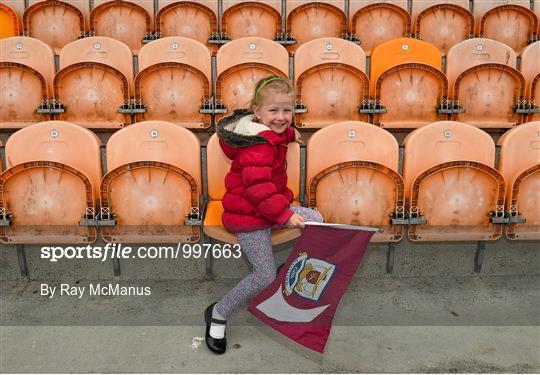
<point x="257" y="246"/>
<point x="308" y="214"/>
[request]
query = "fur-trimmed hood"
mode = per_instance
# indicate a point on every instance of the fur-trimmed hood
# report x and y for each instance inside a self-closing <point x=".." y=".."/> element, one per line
<point x="239" y="130"/>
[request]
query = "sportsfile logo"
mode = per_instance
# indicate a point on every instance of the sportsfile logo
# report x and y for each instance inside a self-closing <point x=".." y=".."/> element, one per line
<point x="109" y="251"/>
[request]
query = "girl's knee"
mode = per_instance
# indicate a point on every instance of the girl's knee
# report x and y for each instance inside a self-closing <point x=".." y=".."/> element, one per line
<point x="264" y="279"/>
<point x="316" y="216"/>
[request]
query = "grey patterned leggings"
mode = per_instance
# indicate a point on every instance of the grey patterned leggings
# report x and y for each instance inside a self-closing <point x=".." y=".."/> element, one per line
<point x="257" y="247"/>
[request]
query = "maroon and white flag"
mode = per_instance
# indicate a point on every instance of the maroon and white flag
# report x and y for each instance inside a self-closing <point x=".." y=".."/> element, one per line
<point x="302" y="300"/>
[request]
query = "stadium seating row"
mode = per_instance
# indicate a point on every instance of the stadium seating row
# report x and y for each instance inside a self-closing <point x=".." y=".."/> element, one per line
<point x="290" y="22"/>
<point x="53" y="189"/>
<point x="404" y="87"/>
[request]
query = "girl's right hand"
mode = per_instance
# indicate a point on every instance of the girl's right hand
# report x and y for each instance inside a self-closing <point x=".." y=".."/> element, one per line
<point x="295" y="221"/>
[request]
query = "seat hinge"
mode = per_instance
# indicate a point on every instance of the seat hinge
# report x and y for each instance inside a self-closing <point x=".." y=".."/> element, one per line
<point x="219" y="38"/>
<point x="150" y="37"/>
<point x="449" y="107"/>
<point x="415" y="216"/>
<point x="372" y="107"/>
<point x="525" y="107"/>
<point x="193" y="218"/>
<point x="51" y="106"/>
<point x="106" y="218"/>
<point x="285" y="39"/>
<point x="5" y="218"/>
<point x="132" y="107"/>
<point x="89" y="218"/>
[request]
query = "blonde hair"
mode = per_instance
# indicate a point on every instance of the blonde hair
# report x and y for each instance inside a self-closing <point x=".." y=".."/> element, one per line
<point x="277" y="84"/>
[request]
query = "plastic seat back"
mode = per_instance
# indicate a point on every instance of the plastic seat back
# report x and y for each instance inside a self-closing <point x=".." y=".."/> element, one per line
<point x="175" y="82"/>
<point x="27" y="72"/>
<point x="450" y="183"/>
<point x="488" y="95"/>
<point x="94" y="83"/>
<point x="311" y="20"/>
<point x="241" y="64"/>
<point x="255" y="18"/>
<point x="519" y="163"/>
<point x="480" y="7"/>
<point x="374" y="22"/>
<point x="130" y="22"/>
<point x="191" y="19"/>
<point x="50" y="183"/>
<point x="10" y="24"/>
<point x="511" y="23"/>
<point x="219" y="165"/>
<point x="56" y="23"/>
<point x="351" y="177"/>
<point x="530" y="68"/>
<point x="444" y="23"/>
<point x="331" y="83"/>
<point x="536" y="8"/>
<point x="407" y="82"/>
<point x="153" y="184"/>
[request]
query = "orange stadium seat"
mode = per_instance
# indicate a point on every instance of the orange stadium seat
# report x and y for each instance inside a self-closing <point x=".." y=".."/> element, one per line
<point x="442" y="23"/>
<point x="26" y="76"/>
<point x="481" y="7"/>
<point x="484" y="84"/>
<point x="476" y="51"/>
<point x="93" y="85"/>
<point x="218" y="166"/>
<point x="254" y="18"/>
<point x="509" y="22"/>
<point x="352" y="178"/>
<point x="152" y="188"/>
<point x="56" y="23"/>
<point x="408" y="88"/>
<point x="530" y="67"/>
<point x="51" y="185"/>
<point x="536" y="7"/>
<point x="241" y="63"/>
<point x="131" y="22"/>
<point x="17" y="6"/>
<point x="174" y="82"/>
<point x="191" y="19"/>
<point x="374" y="22"/>
<point x="308" y="20"/>
<point x="453" y="191"/>
<point x="10" y="24"/>
<point x="520" y="165"/>
<point x="331" y="83"/>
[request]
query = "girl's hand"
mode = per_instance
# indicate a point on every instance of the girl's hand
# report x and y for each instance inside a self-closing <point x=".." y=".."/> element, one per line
<point x="298" y="137"/>
<point x="295" y="221"/>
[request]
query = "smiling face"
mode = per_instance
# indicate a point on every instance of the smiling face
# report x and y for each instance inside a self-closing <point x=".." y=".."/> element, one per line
<point x="275" y="110"/>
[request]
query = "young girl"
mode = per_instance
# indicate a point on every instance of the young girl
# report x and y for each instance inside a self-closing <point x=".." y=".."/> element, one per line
<point x="257" y="197"/>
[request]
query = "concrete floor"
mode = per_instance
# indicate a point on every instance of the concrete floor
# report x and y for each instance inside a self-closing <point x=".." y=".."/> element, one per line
<point x="408" y="324"/>
<point x="259" y="350"/>
<point x="434" y="312"/>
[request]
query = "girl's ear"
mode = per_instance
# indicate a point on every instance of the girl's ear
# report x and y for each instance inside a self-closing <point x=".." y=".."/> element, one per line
<point x="257" y="113"/>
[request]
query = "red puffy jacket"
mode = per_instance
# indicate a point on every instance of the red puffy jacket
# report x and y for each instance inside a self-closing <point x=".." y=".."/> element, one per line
<point x="256" y="195"/>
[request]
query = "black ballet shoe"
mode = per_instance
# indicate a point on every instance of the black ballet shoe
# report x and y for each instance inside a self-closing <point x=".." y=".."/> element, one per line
<point x="218" y="346"/>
